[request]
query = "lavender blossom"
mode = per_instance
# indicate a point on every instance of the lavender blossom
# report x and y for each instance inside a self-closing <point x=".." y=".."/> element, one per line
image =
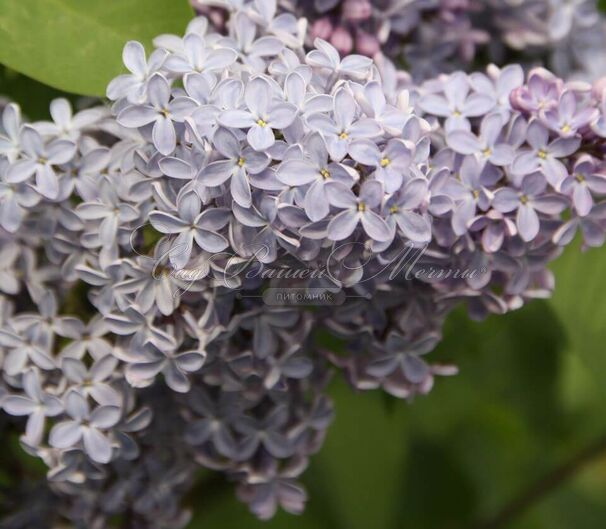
<point x="140" y="249"/>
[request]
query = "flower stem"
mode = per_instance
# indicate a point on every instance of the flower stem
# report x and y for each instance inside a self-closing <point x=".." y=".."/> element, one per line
<point x="538" y="490"/>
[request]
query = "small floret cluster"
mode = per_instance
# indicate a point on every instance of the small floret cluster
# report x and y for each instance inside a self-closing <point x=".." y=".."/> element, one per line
<point x="436" y="36"/>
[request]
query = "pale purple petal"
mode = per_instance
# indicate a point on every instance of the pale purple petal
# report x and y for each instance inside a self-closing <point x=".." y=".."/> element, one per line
<point x="137" y="116"/>
<point x="375" y="227"/>
<point x="164" y="135"/>
<point x="528" y="222"/>
<point x="343" y="225"/>
<point x="97" y="446"/>
<point x="463" y="142"/>
<point x="260" y="137"/>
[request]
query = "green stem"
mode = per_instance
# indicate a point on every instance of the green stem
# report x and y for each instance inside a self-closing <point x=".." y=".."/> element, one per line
<point x="545" y="485"/>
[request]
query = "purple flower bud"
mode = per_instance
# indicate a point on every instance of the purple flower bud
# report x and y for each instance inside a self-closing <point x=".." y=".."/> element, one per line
<point x="599" y="87"/>
<point x="342" y="40"/>
<point x="321" y="29"/>
<point x="356" y="10"/>
<point x="541" y="93"/>
<point x="367" y="44"/>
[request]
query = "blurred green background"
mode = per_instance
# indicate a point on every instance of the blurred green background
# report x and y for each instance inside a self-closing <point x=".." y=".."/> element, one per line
<point x="517" y="439"/>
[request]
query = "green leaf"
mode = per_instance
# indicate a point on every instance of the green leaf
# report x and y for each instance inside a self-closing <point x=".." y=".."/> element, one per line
<point x="76" y="45"/>
<point x="602" y="5"/>
<point x="437" y="489"/>
<point x="362" y="457"/>
<point x="580" y="302"/>
<point x="514" y="359"/>
<point x="34" y="97"/>
<point x="496" y="425"/>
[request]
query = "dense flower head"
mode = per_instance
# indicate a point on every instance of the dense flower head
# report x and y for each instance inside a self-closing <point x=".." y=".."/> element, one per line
<point x="434" y="36"/>
<point x="140" y="243"/>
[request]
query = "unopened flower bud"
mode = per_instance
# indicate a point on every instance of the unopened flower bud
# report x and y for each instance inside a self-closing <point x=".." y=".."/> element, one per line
<point x="599" y="86"/>
<point x="367" y="44"/>
<point x="321" y="28"/>
<point x="342" y="40"/>
<point x="356" y="10"/>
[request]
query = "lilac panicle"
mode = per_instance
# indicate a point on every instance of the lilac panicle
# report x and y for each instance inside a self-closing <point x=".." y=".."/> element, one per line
<point x="137" y="243"/>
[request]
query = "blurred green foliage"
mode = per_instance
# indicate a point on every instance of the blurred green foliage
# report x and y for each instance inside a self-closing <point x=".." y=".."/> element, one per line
<point x="33" y="97"/>
<point x="76" y="45"/>
<point x="529" y="397"/>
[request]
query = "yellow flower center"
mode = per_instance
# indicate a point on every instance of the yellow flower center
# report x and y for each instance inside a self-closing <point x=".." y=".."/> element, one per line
<point x="241" y="161"/>
<point x="393" y="209"/>
<point x="261" y="123"/>
<point x="456" y="114"/>
<point x="384" y="162"/>
<point x="579" y="178"/>
<point x="542" y="154"/>
<point x="565" y="128"/>
<point x="325" y="173"/>
<point x="164" y="112"/>
<point x="487" y="152"/>
<point x="343" y="135"/>
<point x="523" y="199"/>
<point x="361" y="206"/>
<point x="475" y="193"/>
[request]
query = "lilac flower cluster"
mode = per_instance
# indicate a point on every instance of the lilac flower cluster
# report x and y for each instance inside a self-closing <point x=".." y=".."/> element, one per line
<point x="437" y="36"/>
<point x="142" y="245"/>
